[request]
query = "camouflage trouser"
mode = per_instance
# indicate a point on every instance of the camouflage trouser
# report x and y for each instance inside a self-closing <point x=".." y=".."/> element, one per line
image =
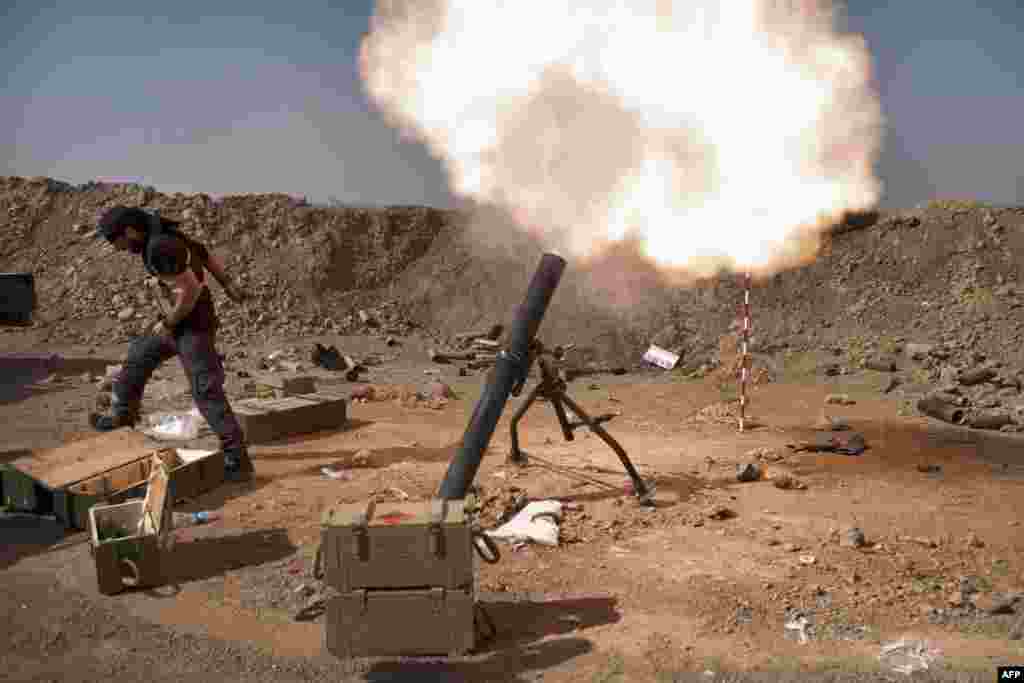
<point x="198" y="355"/>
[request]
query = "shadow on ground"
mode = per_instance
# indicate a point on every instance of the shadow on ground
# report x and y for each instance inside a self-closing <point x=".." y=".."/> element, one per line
<point x="344" y="459"/>
<point x="351" y="425"/>
<point x="24" y="535"/>
<point x="515" y="664"/>
<point x="22" y="374"/>
<point x="527" y="640"/>
<point x="202" y="553"/>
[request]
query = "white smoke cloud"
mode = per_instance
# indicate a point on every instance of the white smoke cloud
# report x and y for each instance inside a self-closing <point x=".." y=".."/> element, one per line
<point x="725" y="132"/>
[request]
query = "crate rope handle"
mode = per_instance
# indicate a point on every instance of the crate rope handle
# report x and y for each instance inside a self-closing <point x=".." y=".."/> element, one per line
<point x="492" y="555"/>
<point x="133" y="569"/>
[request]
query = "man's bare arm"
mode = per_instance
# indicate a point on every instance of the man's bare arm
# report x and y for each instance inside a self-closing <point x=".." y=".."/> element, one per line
<point x="216" y="268"/>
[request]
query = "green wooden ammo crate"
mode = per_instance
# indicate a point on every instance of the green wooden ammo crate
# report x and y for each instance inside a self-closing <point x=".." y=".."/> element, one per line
<point x="398" y="545"/>
<point x="390" y="623"/>
<point x="127" y="540"/>
<point x="265" y="420"/>
<point x="113" y="467"/>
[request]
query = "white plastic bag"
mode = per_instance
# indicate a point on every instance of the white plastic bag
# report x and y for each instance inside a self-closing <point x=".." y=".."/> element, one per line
<point x="182" y="426"/>
<point x="537" y="522"/>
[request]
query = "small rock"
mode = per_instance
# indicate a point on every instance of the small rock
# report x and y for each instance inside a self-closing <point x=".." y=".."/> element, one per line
<point x="791" y="547"/>
<point x="787" y="482"/>
<point x="769" y="454"/>
<point x="720" y="512"/>
<point x="748" y="472"/>
<point x="362" y="458"/>
<point x="126" y="314"/>
<point x="839" y="399"/>
<point x="827" y="423"/>
<point x="807" y="559"/>
<point x="1017" y="630"/>
<point x="973" y="541"/>
<point x="363" y="392"/>
<point x="918" y="351"/>
<point x="968" y="585"/>
<point x="439" y="390"/>
<point x="855" y="538"/>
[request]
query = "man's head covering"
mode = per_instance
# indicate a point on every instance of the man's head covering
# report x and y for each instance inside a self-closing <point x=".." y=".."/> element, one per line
<point x="116" y="220"/>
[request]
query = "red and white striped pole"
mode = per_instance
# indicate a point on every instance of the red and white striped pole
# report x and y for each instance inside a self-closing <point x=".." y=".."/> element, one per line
<point x="744" y="361"/>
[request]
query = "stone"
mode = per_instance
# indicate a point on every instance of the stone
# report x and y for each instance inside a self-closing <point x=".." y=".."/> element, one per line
<point x="748" y="472"/>
<point x="126" y="314"/>
<point x="854" y="538"/>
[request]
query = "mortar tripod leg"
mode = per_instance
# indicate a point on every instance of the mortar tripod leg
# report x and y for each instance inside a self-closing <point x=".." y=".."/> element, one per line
<point x="639" y="486"/>
<point x="563" y="419"/>
<point x="515" y="455"/>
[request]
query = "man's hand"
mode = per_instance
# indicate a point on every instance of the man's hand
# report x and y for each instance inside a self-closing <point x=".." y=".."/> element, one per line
<point x="160" y="329"/>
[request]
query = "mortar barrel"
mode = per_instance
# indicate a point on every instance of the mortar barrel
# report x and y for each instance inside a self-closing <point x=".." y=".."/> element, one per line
<point x="511" y="365"/>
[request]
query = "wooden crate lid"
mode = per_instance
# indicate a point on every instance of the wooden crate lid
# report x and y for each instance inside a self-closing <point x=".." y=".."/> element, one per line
<point x="417" y="513"/>
<point x="73" y="462"/>
<point x="154" y="506"/>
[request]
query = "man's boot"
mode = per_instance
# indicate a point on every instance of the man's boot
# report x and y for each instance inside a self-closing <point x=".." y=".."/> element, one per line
<point x="238" y="465"/>
<point x="108" y="423"/>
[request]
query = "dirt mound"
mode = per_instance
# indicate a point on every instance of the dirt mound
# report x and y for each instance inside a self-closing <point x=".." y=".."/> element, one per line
<point x="940" y="274"/>
<point x="297" y="261"/>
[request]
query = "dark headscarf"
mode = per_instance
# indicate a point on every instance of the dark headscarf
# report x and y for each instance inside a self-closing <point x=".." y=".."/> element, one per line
<point x="116" y="220"/>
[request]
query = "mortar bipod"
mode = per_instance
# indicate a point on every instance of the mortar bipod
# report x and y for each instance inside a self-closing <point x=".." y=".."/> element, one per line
<point x="553" y="388"/>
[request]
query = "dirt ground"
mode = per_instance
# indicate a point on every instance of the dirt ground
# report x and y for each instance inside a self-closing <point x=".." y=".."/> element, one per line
<point x="705" y="580"/>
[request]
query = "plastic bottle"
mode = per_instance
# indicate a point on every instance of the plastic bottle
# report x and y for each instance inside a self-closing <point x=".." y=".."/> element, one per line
<point x="195" y="518"/>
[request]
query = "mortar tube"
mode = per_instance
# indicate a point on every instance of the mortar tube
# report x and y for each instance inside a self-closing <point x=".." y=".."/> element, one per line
<point x="510" y="367"/>
<point x="941" y="410"/>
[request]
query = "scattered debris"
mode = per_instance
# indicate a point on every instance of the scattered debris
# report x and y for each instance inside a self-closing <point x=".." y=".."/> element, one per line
<point x="798" y="626"/>
<point x="827" y="423"/>
<point x="908" y="656"/>
<point x="839" y="399"/>
<point x="330" y="358"/>
<point x="929" y="468"/>
<point x="362" y="458"/>
<point x="175" y="426"/>
<point x="748" y="472"/>
<point x="851" y="444"/>
<point x="655" y="355"/>
<point x="880" y="364"/>
<point x="767" y="454"/>
<point x="977" y="376"/>
<point x="788" y="482"/>
<point x="933" y="406"/>
<point x="992" y="419"/>
<point x="720" y="512"/>
<point x="537" y="522"/>
<point x="182" y="519"/>
<point x="855" y="538"/>
<point x="342" y="475"/>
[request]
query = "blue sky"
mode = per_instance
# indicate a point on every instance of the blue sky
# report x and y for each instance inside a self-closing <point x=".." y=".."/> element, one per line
<point x="264" y="97"/>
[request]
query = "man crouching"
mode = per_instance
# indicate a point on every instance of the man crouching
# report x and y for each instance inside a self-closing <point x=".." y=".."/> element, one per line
<point x="187" y="329"/>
